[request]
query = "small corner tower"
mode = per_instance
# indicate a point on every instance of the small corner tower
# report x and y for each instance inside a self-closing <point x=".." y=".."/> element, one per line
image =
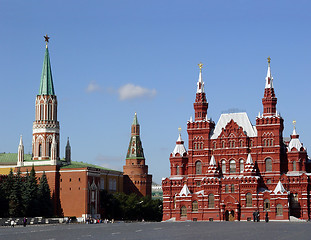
<point x="68" y="152"/>
<point x="20" y="158"/>
<point x="136" y="177"/>
<point x="46" y="126"/>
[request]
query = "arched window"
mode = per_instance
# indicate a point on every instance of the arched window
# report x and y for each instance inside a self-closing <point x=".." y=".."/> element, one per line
<point x="50" y="146"/>
<point x="241" y="143"/>
<point x="232" y="166"/>
<point x="198" y="167"/>
<point x="233" y="144"/>
<point x="211" y="201"/>
<point x="268" y="142"/>
<point x="183" y="211"/>
<point x="40" y="150"/>
<point x="264" y="142"/>
<point x="268" y="165"/>
<point x="195" y="145"/>
<point x="202" y="146"/>
<point x="177" y="170"/>
<point x="266" y="204"/>
<point x="214" y="145"/>
<point x="232" y="188"/>
<point x="223" y="144"/>
<point x="294" y="166"/>
<point x="241" y="165"/>
<point x="223" y="166"/>
<point x="195" y="206"/>
<point x="226" y="188"/>
<point x="251" y="143"/>
<point x="279" y="210"/>
<point x="248" y="200"/>
<point x="271" y="142"/>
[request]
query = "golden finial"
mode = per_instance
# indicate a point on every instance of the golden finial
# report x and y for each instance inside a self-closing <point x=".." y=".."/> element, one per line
<point x="46" y="39"/>
<point x="179" y="129"/>
<point x="269" y="59"/>
<point x="200" y="66"/>
<point x="294" y="123"/>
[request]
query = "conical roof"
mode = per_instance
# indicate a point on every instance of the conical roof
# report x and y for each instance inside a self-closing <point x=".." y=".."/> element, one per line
<point x="179" y="148"/>
<point x="135" y="121"/>
<point x="46" y="84"/>
<point x="279" y="188"/>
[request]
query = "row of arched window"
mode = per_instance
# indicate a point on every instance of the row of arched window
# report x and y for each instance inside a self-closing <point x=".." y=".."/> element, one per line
<point x="232" y="144"/>
<point x="267" y="142"/>
<point x="211" y="204"/>
<point x="233" y="168"/>
<point x="198" y="145"/>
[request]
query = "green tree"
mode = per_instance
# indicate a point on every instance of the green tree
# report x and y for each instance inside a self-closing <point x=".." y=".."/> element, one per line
<point x="15" y="196"/>
<point x="3" y="199"/>
<point x="30" y="194"/>
<point x="44" y="197"/>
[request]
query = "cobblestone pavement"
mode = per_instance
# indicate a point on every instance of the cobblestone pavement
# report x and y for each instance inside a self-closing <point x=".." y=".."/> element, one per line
<point x="175" y="230"/>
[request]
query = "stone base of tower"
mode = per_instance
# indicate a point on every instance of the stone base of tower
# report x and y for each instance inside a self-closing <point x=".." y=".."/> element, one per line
<point x="139" y="185"/>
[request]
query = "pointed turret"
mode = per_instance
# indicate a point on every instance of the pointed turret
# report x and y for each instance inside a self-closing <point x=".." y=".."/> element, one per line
<point x="269" y="78"/>
<point x="294" y="141"/>
<point x="201" y="104"/>
<point x="46" y="84"/>
<point x="279" y="188"/>
<point x="20" y="158"/>
<point x="135" y="149"/>
<point x="269" y="100"/>
<point x="212" y="167"/>
<point x="136" y="177"/>
<point x="54" y="150"/>
<point x="179" y="148"/>
<point x="68" y="152"/>
<point x="249" y="168"/>
<point x="184" y="191"/>
<point x="200" y="83"/>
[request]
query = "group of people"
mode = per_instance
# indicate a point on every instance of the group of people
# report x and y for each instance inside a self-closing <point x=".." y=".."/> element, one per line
<point x="256" y="216"/>
<point x="93" y="220"/>
<point x="13" y="223"/>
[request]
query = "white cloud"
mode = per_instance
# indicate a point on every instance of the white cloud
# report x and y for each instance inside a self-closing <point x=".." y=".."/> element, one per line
<point x="131" y="91"/>
<point x="93" y="87"/>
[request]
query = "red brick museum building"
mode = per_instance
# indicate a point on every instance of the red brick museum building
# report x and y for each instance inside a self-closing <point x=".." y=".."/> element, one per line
<point x="234" y="168"/>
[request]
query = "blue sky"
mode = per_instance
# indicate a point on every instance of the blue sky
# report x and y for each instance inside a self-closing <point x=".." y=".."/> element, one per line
<point x="111" y="59"/>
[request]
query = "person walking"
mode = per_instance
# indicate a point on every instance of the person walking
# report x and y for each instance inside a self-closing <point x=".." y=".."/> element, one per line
<point x="258" y="216"/>
<point x="25" y="221"/>
<point x="267" y="217"/>
<point x="254" y="216"/>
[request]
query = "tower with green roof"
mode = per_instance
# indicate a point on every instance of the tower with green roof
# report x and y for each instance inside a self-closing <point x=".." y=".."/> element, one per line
<point x="45" y="141"/>
<point x="136" y="177"/>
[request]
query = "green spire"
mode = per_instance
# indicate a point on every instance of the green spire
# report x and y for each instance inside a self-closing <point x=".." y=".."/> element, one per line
<point x="46" y="85"/>
<point x="135" y="121"/>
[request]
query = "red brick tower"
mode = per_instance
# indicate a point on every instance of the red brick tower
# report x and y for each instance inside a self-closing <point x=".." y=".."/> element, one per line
<point x="199" y="131"/>
<point x="136" y="177"/>
<point x="270" y="127"/>
<point x="46" y="127"/>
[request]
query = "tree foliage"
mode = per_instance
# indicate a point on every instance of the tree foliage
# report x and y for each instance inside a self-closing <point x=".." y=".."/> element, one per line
<point x="23" y="196"/>
<point x="130" y="207"/>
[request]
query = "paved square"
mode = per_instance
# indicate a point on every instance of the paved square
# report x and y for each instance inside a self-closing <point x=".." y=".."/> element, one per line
<point x="176" y="230"/>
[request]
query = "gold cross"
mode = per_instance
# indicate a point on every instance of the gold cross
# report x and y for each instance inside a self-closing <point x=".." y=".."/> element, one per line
<point x="200" y="66"/>
<point x="269" y="59"/>
<point x="294" y="123"/>
<point x="179" y="129"/>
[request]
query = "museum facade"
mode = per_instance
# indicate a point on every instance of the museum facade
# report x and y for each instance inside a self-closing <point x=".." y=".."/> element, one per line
<point x="233" y="168"/>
